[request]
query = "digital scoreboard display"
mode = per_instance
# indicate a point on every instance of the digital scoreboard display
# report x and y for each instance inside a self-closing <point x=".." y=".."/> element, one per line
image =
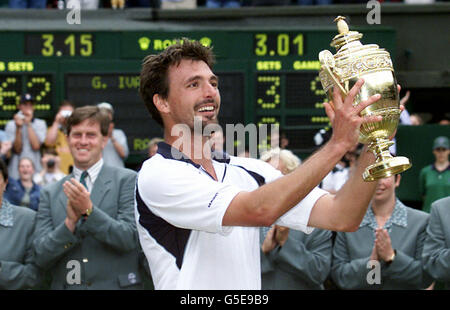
<point x="49" y="44"/>
<point x="266" y="77"/>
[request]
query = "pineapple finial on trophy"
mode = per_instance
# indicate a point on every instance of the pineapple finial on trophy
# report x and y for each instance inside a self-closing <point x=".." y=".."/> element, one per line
<point x="341" y="24"/>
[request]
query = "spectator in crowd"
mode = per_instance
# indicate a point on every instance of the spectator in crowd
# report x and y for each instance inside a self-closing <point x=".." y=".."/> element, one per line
<point x="436" y="250"/>
<point x="2" y="135"/>
<point x="153" y="146"/>
<point x="341" y="172"/>
<point x="284" y="140"/>
<point x="24" y="191"/>
<point x="349" y="1"/>
<point x="269" y="2"/>
<point x="27" y="4"/>
<point x="444" y="121"/>
<point x="50" y="172"/>
<point x="217" y="141"/>
<point x="405" y="119"/>
<point x="337" y="177"/>
<point x="434" y="179"/>
<point x="5" y="147"/>
<point x="117" y="4"/>
<point x="88" y="216"/>
<point x="278" y="139"/>
<point x="314" y="2"/>
<point x="83" y="4"/>
<point x="116" y="150"/>
<point x="417" y="1"/>
<point x="214" y="4"/>
<point x="27" y="134"/>
<point x="391" y="234"/>
<point x="56" y="136"/>
<point x="178" y="4"/>
<point x="143" y="3"/>
<point x="17" y="261"/>
<point x="245" y="153"/>
<point x="416" y="119"/>
<point x="291" y="259"/>
<point x="283" y="160"/>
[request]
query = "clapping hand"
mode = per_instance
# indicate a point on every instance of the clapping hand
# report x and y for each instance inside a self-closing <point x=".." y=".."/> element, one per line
<point x="78" y="196"/>
<point x="72" y="217"/>
<point x="281" y="234"/>
<point x="383" y="244"/>
<point x="269" y="242"/>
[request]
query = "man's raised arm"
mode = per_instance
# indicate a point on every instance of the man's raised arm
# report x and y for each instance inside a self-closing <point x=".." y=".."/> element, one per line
<point x="343" y="211"/>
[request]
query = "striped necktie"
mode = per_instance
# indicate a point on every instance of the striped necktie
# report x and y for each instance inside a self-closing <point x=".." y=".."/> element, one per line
<point x="83" y="178"/>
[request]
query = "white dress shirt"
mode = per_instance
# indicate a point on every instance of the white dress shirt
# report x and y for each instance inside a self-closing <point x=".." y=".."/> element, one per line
<point x="93" y="172"/>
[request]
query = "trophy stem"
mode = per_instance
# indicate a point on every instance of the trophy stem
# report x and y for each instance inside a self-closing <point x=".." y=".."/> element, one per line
<point x="380" y="148"/>
<point x="385" y="164"/>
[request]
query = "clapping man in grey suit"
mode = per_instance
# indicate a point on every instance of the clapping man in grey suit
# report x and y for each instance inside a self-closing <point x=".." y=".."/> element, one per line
<point x="86" y="232"/>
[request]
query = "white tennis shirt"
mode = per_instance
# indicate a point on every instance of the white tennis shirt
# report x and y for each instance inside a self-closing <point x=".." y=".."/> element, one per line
<point x="179" y="209"/>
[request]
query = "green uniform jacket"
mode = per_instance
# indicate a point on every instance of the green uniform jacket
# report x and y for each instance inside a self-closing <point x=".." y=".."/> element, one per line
<point x="103" y="251"/>
<point x="436" y="251"/>
<point x="351" y="255"/>
<point x="17" y="270"/>
<point x="433" y="185"/>
<point x="303" y="263"/>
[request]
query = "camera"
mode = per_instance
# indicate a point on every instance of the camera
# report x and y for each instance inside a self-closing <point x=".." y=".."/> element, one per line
<point x="50" y="163"/>
<point x="66" y="113"/>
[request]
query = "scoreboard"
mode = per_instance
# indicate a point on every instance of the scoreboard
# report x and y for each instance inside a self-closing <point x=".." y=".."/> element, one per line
<point x="266" y="77"/>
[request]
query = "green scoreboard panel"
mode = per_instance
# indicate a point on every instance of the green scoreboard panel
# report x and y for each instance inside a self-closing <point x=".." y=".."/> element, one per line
<point x="266" y="77"/>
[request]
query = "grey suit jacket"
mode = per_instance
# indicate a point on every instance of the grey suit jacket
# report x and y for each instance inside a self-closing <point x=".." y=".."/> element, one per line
<point x="351" y="254"/>
<point x="18" y="269"/>
<point x="436" y="251"/>
<point x="303" y="263"/>
<point x="103" y="251"/>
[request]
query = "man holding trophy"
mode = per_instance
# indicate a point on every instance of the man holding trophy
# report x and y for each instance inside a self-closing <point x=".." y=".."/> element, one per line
<point x="198" y="216"/>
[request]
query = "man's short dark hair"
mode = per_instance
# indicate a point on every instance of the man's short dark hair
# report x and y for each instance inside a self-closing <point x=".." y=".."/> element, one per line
<point x="66" y="103"/>
<point x="154" y="73"/>
<point x="89" y="112"/>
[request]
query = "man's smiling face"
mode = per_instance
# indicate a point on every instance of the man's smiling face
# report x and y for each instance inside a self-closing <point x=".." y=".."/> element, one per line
<point x="86" y="143"/>
<point x="193" y="92"/>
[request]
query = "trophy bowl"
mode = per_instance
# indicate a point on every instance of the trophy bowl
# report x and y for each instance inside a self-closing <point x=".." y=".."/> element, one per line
<point x="353" y="61"/>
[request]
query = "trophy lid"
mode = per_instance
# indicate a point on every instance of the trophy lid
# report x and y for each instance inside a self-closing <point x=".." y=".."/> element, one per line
<point x="345" y="36"/>
<point x="352" y="59"/>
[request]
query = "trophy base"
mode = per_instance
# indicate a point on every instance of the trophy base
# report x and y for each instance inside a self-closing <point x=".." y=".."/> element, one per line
<point x="386" y="168"/>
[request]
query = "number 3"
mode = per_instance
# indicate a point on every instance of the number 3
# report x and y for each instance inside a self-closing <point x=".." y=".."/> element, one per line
<point x="48" y="46"/>
<point x="261" y="49"/>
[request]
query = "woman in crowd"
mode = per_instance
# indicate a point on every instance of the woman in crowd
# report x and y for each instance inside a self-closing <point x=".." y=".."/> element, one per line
<point x="24" y="192"/>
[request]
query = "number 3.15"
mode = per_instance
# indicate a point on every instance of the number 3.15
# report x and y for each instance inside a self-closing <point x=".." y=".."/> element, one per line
<point x="85" y="50"/>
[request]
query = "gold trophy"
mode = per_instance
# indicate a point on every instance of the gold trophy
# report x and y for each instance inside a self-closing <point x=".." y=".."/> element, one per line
<point x="352" y="61"/>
